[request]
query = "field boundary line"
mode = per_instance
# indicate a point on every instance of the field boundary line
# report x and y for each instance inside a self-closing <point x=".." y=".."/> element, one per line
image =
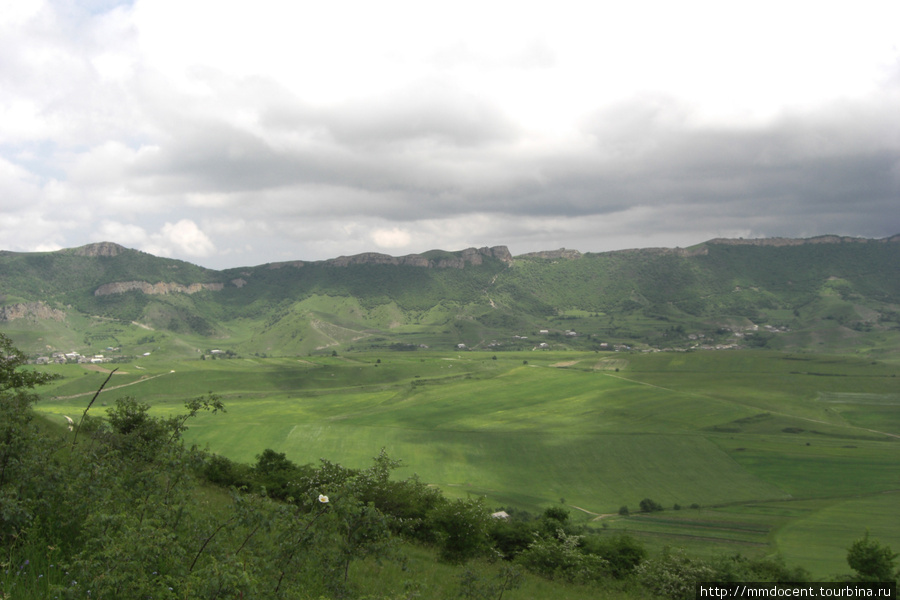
<point x="115" y="387"/>
<point x="750" y="406"/>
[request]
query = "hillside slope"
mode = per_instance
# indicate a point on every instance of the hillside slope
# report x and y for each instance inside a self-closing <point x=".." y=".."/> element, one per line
<point x="827" y="293"/>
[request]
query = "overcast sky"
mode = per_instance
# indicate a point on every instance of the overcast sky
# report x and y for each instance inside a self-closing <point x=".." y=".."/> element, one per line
<point x="232" y="133"/>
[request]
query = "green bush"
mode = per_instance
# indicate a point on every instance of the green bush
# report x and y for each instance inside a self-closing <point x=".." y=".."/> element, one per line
<point x="673" y="574"/>
<point x="648" y="505"/>
<point x="462" y="529"/>
<point x="622" y="552"/>
<point x="559" y="557"/>
<point x="871" y="560"/>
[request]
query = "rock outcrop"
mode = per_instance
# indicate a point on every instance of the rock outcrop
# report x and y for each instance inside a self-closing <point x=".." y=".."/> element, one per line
<point x="375" y="258"/>
<point x="121" y="287"/>
<point x="822" y="239"/>
<point x="699" y="251"/>
<point x="31" y="310"/>
<point x="100" y="249"/>
<point x="566" y="253"/>
<point x="472" y="256"/>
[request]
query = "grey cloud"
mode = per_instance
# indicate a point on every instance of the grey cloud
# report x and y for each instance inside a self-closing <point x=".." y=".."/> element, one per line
<point x="425" y="160"/>
<point x="432" y="111"/>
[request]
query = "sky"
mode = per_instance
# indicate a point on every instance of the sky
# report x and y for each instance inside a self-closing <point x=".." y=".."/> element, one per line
<point x="233" y="134"/>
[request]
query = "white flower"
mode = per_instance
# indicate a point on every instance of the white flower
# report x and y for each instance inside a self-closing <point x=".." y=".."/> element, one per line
<point x="323" y="498"/>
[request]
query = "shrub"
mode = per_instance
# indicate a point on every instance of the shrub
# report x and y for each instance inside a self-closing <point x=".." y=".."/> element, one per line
<point x="673" y="574"/>
<point x="461" y="528"/>
<point x="648" y="505"/>
<point x="871" y="560"/>
<point x="559" y="557"/>
<point x="511" y="538"/>
<point x="622" y="552"/>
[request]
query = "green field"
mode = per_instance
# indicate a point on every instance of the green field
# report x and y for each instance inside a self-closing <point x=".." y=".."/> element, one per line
<point x="791" y="454"/>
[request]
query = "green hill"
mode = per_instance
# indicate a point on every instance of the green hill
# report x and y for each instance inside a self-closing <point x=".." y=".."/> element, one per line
<point x="822" y="294"/>
<point x="531" y="382"/>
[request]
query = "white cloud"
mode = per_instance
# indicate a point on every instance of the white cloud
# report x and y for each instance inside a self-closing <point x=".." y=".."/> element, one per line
<point x="184" y="237"/>
<point x="278" y="131"/>
<point x="391" y="238"/>
<point x="126" y="234"/>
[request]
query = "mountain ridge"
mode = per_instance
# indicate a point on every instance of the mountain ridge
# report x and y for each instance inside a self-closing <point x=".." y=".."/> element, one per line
<point x="823" y="293"/>
<point x="111" y="249"/>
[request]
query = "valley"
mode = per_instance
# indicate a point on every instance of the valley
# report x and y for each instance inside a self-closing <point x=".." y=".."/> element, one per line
<point x="752" y="450"/>
<point x="748" y="388"/>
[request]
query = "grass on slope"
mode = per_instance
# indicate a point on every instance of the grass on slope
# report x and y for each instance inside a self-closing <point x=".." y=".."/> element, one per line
<point x="722" y="430"/>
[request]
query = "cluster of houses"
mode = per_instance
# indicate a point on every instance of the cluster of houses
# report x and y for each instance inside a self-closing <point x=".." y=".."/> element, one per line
<point x="571" y="333"/>
<point x="62" y="358"/>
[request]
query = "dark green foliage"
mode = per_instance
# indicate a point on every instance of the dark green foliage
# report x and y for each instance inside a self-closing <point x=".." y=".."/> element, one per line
<point x="222" y="471"/>
<point x="647" y="505"/>
<point x="25" y="470"/>
<point x="738" y="568"/>
<point x="872" y="560"/>
<point x="560" y="556"/>
<point x="278" y="476"/>
<point x="622" y="552"/>
<point x="557" y="515"/>
<point x="510" y="537"/>
<point x="674" y="574"/>
<point x="462" y="529"/>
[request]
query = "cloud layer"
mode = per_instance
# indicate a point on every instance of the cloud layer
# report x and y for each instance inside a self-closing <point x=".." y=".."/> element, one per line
<point x="230" y="134"/>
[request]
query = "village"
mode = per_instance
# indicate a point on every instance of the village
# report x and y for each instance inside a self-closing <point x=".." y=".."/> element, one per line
<point x="62" y="358"/>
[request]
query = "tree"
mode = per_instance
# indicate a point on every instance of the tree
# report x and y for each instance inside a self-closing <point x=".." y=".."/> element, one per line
<point x="648" y="505"/>
<point x="871" y="560"/>
<point x="673" y="574"/>
<point x="557" y="514"/>
<point x="24" y="458"/>
<point x="462" y="529"/>
<point x="560" y="556"/>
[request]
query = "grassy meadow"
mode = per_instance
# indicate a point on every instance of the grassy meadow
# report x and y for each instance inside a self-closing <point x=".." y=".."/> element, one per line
<point x="763" y="452"/>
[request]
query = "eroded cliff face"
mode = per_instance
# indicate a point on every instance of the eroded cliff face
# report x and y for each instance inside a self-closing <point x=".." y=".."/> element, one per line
<point x="472" y="256"/>
<point x="822" y="239"/>
<point x="30" y="310"/>
<point x="100" y="249"/>
<point x="120" y="287"/>
<point x="374" y="258"/>
<point x="562" y="253"/>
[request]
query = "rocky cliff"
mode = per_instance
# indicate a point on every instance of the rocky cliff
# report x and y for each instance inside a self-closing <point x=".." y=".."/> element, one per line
<point x="822" y="239"/>
<point x="566" y="253"/>
<point x="120" y="287"/>
<point x="99" y="249"/>
<point x="473" y="256"/>
<point x="30" y="310"/>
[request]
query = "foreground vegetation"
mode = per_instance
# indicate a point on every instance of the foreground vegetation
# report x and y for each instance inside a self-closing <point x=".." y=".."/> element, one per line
<point x="129" y="506"/>
<point x="784" y="453"/>
<point x="763" y="442"/>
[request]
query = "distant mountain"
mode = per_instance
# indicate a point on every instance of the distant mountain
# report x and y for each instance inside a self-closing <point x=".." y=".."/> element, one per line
<point x="827" y="293"/>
